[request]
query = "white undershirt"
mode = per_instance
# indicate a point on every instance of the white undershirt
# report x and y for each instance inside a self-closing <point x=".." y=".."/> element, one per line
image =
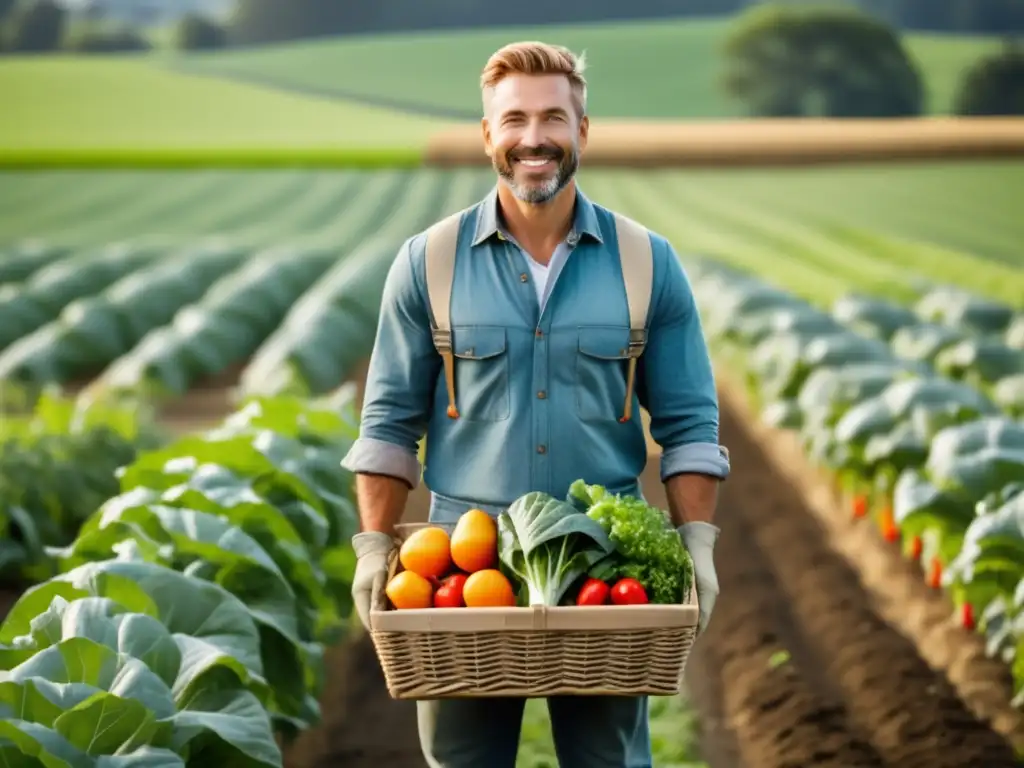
<point x="540" y="273"/>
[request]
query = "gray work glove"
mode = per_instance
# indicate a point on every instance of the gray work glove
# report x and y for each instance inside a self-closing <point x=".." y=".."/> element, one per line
<point x="373" y="550"/>
<point x="699" y="539"/>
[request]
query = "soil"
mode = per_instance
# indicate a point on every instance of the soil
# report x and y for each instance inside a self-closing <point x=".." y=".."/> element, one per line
<point x="658" y="144"/>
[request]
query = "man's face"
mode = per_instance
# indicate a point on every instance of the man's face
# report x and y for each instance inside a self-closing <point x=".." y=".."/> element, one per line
<point x="533" y="135"/>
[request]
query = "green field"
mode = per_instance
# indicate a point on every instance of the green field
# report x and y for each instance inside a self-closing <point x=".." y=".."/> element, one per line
<point x="376" y="90"/>
<point x="118" y="254"/>
<point x="815" y="229"/>
<point x="664" y="69"/>
<point x="136" y="102"/>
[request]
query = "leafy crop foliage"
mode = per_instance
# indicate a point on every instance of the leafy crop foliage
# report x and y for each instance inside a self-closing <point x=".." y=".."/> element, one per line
<point x="914" y="411"/>
<point x="187" y="623"/>
<point x="57" y="466"/>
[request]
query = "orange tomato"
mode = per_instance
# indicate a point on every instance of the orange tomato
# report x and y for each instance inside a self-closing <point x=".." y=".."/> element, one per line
<point x="427" y="553"/>
<point x="409" y="590"/>
<point x="474" y="544"/>
<point x="488" y="589"/>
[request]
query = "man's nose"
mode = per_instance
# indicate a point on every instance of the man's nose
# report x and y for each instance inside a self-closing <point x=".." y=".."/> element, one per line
<point x="533" y="137"/>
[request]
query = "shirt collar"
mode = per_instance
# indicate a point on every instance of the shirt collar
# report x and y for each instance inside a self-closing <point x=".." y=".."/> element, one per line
<point x="488" y="223"/>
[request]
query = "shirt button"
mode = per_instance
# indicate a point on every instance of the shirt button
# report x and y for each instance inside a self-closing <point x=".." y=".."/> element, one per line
<point x="542" y="394"/>
<point x="523" y="278"/>
<point x="542" y="449"/>
<point x="539" y="333"/>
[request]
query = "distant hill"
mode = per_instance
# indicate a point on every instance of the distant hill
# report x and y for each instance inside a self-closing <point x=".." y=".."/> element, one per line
<point x="663" y="69"/>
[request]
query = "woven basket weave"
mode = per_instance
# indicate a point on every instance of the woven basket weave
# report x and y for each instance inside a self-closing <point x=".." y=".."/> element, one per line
<point x="532" y="652"/>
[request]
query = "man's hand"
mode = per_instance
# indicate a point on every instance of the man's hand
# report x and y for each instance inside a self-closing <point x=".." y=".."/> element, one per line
<point x="699" y="539"/>
<point x="373" y="550"/>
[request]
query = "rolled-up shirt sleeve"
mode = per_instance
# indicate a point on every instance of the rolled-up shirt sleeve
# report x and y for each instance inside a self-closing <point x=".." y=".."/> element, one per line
<point x="402" y="375"/>
<point x="676" y="376"/>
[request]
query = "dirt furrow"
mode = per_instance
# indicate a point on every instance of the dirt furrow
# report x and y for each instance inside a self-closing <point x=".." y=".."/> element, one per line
<point x="898" y="590"/>
<point x="909" y="711"/>
<point x="770" y="699"/>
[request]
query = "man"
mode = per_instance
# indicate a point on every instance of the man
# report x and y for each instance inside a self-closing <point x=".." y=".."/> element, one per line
<point x="540" y="329"/>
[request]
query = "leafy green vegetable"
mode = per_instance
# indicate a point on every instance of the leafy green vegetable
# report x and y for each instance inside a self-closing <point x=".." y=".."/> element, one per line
<point x="225" y="326"/>
<point x="980" y="361"/>
<point x="991" y="561"/>
<point x="924" y="341"/>
<point x="189" y="620"/>
<point x="876" y="318"/>
<point x="647" y="547"/>
<point x="90" y="333"/>
<point x="57" y="464"/>
<point x="960" y="309"/>
<point x="548" y="544"/>
<point x="914" y="431"/>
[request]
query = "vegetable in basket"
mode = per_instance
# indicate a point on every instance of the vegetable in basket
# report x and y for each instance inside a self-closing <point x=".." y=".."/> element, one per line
<point x="548" y="545"/>
<point x="647" y="548"/>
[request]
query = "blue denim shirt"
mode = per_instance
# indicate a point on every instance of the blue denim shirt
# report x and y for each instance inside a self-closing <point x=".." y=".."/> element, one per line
<point x="540" y="386"/>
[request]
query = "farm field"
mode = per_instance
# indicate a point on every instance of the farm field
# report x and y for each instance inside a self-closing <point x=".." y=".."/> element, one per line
<point x="131" y="102"/>
<point x="868" y="616"/>
<point x="349" y="93"/>
<point x="620" y="55"/>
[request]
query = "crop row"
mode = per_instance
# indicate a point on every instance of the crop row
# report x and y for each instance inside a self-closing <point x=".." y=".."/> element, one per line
<point x="188" y="618"/>
<point x="144" y="319"/>
<point x="917" y="414"/>
<point x="57" y="465"/>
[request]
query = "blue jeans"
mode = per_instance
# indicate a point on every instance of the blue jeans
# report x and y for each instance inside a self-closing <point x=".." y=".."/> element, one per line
<point x="588" y="731"/>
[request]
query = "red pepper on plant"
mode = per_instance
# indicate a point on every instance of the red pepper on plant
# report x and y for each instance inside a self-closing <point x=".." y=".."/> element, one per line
<point x="886" y="521"/>
<point x="935" y="573"/>
<point x="860" y="506"/>
<point x="967" y="616"/>
<point x="915" y="548"/>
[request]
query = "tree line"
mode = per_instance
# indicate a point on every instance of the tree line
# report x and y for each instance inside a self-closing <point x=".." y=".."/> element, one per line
<point x="33" y="25"/>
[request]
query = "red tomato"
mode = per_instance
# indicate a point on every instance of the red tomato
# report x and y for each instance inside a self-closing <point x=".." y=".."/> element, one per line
<point x="629" y="592"/>
<point x="449" y="594"/>
<point x="967" y="616"/>
<point x="593" y="592"/>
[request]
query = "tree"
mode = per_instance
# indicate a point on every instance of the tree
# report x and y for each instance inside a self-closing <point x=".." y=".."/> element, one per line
<point x="264" y="21"/>
<point x="35" y="27"/>
<point x="98" y="39"/>
<point x="792" y="61"/>
<point x="994" y="85"/>
<point x="196" y="32"/>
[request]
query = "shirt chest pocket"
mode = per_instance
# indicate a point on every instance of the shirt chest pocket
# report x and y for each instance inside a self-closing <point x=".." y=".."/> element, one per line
<point x="601" y="359"/>
<point x="482" y="386"/>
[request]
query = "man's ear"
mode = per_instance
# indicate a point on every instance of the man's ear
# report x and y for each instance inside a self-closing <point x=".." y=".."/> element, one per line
<point x="485" y="130"/>
<point x="584" y="132"/>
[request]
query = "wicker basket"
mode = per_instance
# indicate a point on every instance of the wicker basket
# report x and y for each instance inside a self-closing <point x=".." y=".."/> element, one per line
<point x="532" y="652"/>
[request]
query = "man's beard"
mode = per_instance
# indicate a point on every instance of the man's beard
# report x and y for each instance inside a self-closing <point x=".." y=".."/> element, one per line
<point x="568" y="164"/>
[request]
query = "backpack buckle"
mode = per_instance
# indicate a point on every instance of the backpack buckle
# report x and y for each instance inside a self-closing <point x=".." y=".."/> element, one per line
<point x="443" y="343"/>
<point x="637" y="342"/>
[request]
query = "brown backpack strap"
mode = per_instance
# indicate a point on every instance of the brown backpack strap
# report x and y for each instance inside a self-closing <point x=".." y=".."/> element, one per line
<point x="637" y="260"/>
<point x="442" y="242"/>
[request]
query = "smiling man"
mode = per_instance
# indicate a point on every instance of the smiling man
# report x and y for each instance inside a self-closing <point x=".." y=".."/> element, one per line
<point x="522" y="336"/>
